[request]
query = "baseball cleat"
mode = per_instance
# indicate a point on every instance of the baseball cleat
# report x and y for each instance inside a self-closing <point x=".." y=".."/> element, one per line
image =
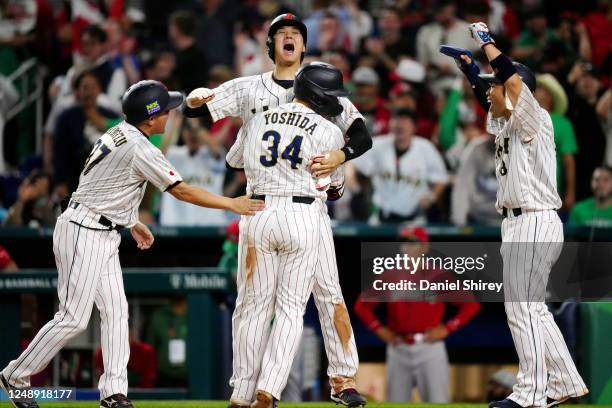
<point x="553" y="402"/>
<point x="11" y="390"/>
<point x="569" y="398"/>
<point x="239" y="403"/>
<point x="506" y="403"/>
<point x="116" y="401"/>
<point x="349" y="397"/>
<point x="264" y="399"/>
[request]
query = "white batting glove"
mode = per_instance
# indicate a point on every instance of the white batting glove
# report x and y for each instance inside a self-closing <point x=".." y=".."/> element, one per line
<point x="480" y="34"/>
<point x="199" y="97"/>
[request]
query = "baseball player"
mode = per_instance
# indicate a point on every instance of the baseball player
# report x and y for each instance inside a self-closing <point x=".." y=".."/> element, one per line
<point x="86" y="240"/>
<point x="532" y="233"/>
<point x="407" y="171"/>
<point x="244" y="97"/>
<point x="280" y="246"/>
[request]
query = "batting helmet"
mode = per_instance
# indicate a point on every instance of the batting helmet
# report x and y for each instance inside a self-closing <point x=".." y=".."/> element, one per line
<point x="524" y="72"/>
<point x="319" y="85"/>
<point x="147" y="98"/>
<point x="283" y="20"/>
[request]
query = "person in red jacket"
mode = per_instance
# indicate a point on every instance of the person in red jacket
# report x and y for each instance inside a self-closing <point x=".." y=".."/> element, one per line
<point x="415" y="335"/>
<point x="6" y="262"/>
<point x="142" y="365"/>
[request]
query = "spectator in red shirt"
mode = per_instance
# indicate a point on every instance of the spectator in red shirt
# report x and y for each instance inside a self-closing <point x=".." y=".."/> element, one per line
<point x="414" y="334"/>
<point x="142" y="366"/>
<point x="599" y="27"/>
<point x="369" y="102"/>
<point x="6" y="262"/>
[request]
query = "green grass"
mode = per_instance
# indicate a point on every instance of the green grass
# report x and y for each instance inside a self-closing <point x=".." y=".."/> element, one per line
<point x="223" y="404"/>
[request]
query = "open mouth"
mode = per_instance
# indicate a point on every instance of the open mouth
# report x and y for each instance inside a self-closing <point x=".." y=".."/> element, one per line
<point x="289" y="48"/>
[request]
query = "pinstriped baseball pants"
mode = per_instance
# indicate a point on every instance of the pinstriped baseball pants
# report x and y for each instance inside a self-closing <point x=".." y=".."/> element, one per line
<point x="342" y="356"/>
<point x="531" y="244"/>
<point x="279" y="249"/>
<point x="88" y="272"/>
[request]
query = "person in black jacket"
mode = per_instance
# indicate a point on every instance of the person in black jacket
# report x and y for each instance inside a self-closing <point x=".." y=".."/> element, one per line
<point x="191" y="67"/>
<point x="77" y="129"/>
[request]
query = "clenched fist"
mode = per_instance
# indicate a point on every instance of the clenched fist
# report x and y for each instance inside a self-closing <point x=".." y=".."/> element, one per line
<point x="199" y="97"/>
<point x="480" y="34"/>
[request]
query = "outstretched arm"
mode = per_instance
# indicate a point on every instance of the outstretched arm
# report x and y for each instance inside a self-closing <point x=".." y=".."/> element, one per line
<point x="203" y="198"/>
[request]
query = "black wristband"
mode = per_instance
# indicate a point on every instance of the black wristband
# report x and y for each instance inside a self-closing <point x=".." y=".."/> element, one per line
<point x="359" y="140"/>
<point x="201" y="111"/>
<point x="503" y="68"/>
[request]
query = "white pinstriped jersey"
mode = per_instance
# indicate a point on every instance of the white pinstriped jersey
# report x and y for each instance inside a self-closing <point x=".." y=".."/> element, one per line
<point x="525" y="158"/>
<point x="201" y="169"/>
<point x="400" y="182"/>
<point x="246" y="96"/>
<point x="115" y="175"/>
<point x="274" y="148"/>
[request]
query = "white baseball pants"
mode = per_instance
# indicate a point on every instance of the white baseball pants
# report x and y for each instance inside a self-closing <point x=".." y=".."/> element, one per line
<point x="279" y="249"/>
<point x="87" y="259"/>
<point x="531" y="244"/>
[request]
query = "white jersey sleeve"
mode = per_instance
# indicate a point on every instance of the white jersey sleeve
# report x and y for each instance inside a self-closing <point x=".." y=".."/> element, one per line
<point x="235" y="156"/>
<point x="527" y="115"/>
<point x="151" y="165"/>
<point x="495" y="125"/>
<point x="436" y="170"/>
<point x="366" y="163"/>
<point x="348" y="116"/>
<point x="228" y="100"/>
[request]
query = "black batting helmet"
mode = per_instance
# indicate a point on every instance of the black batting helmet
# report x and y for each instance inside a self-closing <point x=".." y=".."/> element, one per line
<point x="523" y="71"/>
<point x="283" y="20"/>
<point x="319" y="85"/>
<point x="147" y="98"/>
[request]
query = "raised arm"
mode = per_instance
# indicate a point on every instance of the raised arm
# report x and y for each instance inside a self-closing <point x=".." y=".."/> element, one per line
<point x="221" y="102"/>
<point x="502" y="65"/>
<point x="465" y="61"/>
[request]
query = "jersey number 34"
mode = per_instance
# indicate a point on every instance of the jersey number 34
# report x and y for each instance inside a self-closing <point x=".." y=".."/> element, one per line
<point x="291" y="152"/>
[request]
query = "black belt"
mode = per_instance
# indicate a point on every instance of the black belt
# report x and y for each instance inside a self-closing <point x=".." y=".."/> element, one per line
<point x="295" y="199"/>
<point x="394" y="217"/>
<point x="515" y="211"/>
<point x="102" y="220"/>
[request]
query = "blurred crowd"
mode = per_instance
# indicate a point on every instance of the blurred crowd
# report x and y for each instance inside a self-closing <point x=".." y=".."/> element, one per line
<point x="432" y="160"/>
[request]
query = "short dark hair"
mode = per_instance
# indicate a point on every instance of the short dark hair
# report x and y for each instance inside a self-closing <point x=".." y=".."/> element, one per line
<point x="95" y="32"/>
<point x="404" y="113"/>
<point x="440" y="4"/>
<point x="76" y="82"/>
<point x="392" y="9"/>
<point x="185" y="22"/>
<point x="533" y="12"/>
<point x="330" y="14"/>
<point x="604" y="167"/>
<point x="37" y="174"/>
